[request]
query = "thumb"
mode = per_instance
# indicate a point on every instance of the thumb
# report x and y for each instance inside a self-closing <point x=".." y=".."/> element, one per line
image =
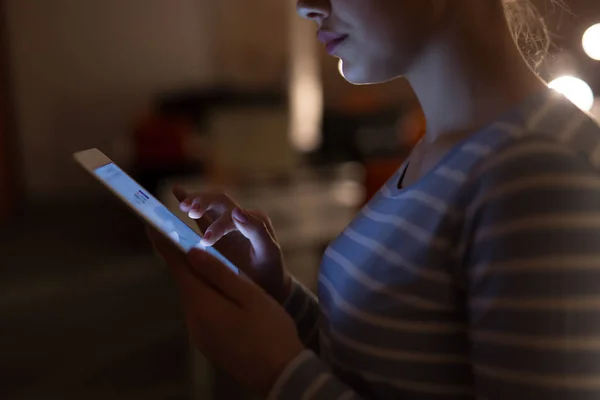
<point x="256" y="232"/>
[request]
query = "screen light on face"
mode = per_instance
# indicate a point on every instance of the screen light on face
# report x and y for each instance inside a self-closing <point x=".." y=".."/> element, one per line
<point x="576" y="90"/>
<point x="591" y="42"/>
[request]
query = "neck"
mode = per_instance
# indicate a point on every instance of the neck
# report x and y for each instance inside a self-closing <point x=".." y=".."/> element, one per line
<point x="465" y="80"/>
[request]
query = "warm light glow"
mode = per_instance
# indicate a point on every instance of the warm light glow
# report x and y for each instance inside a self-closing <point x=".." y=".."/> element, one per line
<point x="307" y="101"/>
<point x="575" y="90"/>
<point x="349" y="193"/>
<point x="305" y="86"/>
<point x="591" y="42"/>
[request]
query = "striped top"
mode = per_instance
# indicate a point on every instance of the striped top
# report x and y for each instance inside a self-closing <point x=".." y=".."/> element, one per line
<point x="481" y="280"/>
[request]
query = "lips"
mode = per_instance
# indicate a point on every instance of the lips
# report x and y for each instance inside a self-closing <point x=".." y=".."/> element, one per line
<point x="331" y="40"/>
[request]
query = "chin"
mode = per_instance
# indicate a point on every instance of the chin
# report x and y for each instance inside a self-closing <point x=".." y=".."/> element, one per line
<point x="361" y="75"/>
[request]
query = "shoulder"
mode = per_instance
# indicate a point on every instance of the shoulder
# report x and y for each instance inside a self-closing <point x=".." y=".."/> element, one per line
<point x="530" y="180"/>
<point x="536" y="165"/>
<point x="548" y="141"/>
<point x="533" y="156"/>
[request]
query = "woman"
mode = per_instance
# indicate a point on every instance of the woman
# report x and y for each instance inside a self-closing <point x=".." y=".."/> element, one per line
<point x="475" y="270"/>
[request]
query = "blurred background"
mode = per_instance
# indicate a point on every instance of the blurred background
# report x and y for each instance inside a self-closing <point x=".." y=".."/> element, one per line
<point x="233" y="94"/>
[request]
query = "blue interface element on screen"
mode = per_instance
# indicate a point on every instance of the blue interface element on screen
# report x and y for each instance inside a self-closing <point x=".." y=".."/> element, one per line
<point x="155" y="211"/>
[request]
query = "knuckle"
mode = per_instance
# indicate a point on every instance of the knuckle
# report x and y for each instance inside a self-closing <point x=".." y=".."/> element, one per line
<point x="215" y="204"/>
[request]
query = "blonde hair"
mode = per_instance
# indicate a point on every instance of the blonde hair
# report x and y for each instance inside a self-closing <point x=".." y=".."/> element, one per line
<point x="529" y="29"/>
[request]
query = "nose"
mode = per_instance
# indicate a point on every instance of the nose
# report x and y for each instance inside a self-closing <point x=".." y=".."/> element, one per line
<point x="314" y="10"/>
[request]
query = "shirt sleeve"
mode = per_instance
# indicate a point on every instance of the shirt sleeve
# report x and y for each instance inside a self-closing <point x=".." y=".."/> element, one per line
<point x="303" y="307"/>
<point x="308" y="378"/>
<point x="532" y="252"/>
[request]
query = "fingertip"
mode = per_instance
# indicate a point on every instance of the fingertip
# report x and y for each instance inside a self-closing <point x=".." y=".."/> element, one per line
<point x="186" y="204"/>
<point x="194" y="214"/>
<point x="206" y="239"/>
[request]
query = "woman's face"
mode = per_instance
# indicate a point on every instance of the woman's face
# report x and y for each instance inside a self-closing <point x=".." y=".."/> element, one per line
<point x="377" y="40"/>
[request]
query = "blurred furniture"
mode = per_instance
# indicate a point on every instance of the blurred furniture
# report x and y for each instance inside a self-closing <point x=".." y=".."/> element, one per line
<point x="307" y="212"/>
<point x="214" y="129"/>
<point x="162" y="148"/>
<point x="249" y="143"/>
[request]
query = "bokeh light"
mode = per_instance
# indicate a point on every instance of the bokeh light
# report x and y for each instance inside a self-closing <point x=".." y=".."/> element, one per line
<point x="575" y="90"/>
<point x="591" y="42"/>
